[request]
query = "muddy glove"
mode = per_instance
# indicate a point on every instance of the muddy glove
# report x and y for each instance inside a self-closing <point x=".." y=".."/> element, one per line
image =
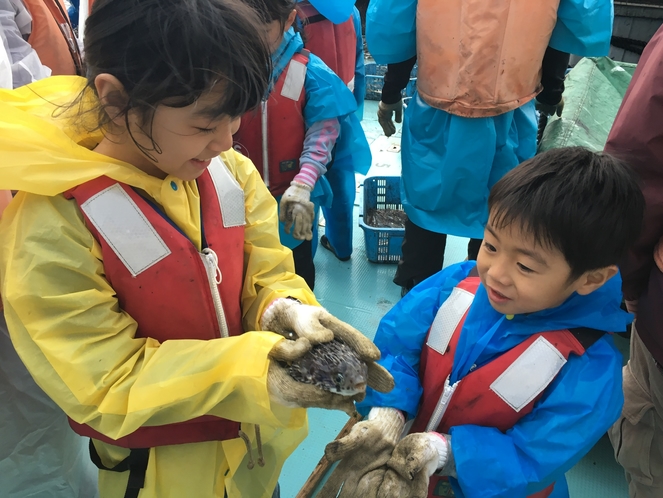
<point x="416" y="458"/>
<point x="294" y="320"/>
<point x="385" y="113"/>
<point x="550" y="109"/>
<point x="296" y="211"/>
<point x="363" y="455"/>
<point x="286" y="391"/>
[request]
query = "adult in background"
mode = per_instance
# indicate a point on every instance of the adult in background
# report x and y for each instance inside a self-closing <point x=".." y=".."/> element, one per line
<point x="472" y="119"/>
<point x="637" y="137"/>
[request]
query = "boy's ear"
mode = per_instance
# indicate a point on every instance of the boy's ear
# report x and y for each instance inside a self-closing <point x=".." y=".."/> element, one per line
<point x="594" y="279"/>
<point x="112" y="96"/>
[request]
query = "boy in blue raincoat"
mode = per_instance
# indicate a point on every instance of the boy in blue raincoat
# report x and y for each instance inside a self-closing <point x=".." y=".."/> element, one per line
<point x="480" y="66"/>
<point x="505" y="368"/>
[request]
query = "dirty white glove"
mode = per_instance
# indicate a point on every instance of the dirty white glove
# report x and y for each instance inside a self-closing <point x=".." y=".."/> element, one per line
<point x="414" y="460"/>
<point x="297" y="211"/>
<point x="363" y="454"/>
<point x="385" y="113"/>
<point x="296" y="321"/>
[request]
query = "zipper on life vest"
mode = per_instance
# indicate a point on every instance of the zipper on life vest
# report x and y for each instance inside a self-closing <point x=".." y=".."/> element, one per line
<point x="211" y="262"/>
<point x="265" y="145"/>
<point x="442" y="405"/>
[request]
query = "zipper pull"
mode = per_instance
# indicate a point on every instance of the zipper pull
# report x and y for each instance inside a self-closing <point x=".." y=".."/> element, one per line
<point x="211" y="255"/>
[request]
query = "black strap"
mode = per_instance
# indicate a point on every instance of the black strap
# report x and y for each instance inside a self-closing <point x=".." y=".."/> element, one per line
<point x="636" y="46"/>
<point x="314" y="19"/>
<point x="135" y="463"/>
<point x="586" y="336"/>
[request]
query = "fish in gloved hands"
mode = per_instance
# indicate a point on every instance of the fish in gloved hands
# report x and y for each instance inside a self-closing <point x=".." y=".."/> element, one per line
<point x="304" y="327"/>
<point x="332" y="366"/>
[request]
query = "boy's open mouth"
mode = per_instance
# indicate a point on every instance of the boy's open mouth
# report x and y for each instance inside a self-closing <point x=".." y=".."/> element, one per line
<point x="496" y="296"/>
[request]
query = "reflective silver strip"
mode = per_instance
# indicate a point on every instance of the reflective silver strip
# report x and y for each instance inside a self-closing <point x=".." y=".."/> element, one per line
<point x="447" y="319"/>
<point x="530" y="374"/>
<point x="229" y="193"/>
<point x="125" y="229"/>
<point x="294" y="80"/>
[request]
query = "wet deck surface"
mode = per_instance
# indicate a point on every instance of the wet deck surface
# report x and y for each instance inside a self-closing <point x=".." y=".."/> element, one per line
<point x="361" y="292"/>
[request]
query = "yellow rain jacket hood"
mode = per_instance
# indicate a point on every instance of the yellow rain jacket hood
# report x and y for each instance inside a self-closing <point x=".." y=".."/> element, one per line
<point x="67" y="327"/>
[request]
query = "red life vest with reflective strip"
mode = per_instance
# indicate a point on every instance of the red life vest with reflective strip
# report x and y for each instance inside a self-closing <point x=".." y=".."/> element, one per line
<point x="335" y="44"/>
<point x="497" y="394"/>
<point x="277" y="128"/>
<point x="53" y="38"/>
<point x="163" y="282"/>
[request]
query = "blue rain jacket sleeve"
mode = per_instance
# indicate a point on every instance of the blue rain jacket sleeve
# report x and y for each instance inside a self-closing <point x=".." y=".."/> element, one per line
<point x="584" y="27"/>
<point x="326" y="95"/>
<point x="360" y="71"/>
<point x="401" y="335"/>
<point x="391" y="32"/>
<point x="579" y="406"/>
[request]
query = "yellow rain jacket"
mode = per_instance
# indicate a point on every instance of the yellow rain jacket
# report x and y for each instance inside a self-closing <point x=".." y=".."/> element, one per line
<point x="67" y="327"/>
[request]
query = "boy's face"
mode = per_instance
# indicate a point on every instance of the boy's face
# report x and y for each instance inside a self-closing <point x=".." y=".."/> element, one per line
<point x="521" y="276"/>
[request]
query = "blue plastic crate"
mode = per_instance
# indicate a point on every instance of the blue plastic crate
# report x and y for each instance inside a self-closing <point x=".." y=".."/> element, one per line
<point x="383" y="245"/>
<point x="375" y="80"/>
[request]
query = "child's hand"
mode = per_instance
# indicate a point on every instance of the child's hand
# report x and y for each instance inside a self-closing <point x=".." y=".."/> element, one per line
<point x="297" y="211"/>
<point x="363" y="454"/>
<point x="415" y="458"/>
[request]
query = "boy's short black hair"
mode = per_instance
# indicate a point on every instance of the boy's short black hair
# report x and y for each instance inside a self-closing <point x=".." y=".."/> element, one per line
<point x="587" y="205"/>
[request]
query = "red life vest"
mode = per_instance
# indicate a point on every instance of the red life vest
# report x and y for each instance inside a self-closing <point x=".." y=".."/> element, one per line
<point x="335" y="44"/>
<point x="53" y="38"/>
<point x="273" y="138"/>
<point x="497" y="394"/>
<point x="165" y="284"/>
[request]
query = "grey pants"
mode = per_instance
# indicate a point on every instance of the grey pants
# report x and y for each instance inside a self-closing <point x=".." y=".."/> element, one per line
<point x="637" y="436"/>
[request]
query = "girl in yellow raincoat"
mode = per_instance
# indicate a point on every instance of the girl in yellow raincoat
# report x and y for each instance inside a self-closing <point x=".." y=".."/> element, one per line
<point x="144" y="284"/>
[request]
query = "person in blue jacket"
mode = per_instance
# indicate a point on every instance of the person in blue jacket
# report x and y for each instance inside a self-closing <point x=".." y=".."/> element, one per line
<point x="332" y="31"/>
<point x="312" y="127"/>
<point x="506" y="367"/>
<point x="455" y="146"/>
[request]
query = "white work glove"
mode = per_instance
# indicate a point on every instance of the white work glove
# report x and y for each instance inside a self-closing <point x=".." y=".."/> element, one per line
<point x="363" y="455"/>
<point x="414" y="460"/>
<point x="385" y="113"/>
<point x="297" y="211"/>
<point x="314" y="325"/>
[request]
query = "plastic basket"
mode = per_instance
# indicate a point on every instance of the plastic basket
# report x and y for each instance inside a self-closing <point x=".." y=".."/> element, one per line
<point x="383" y="245"/>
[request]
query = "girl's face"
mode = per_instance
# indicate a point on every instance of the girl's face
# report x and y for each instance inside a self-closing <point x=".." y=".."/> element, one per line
<point x="187" y="140"/>
<point x="275" y="31"/>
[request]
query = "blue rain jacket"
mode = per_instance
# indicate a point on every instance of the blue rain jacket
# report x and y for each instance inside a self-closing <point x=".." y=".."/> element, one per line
<point x="326" y="98"/>
<point x="353" y="152"/>
<point x="576" y="409"/>
<point x="449" y="163"/>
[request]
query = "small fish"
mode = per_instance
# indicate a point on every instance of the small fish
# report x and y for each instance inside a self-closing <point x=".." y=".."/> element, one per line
<point x="332" y="366"/>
